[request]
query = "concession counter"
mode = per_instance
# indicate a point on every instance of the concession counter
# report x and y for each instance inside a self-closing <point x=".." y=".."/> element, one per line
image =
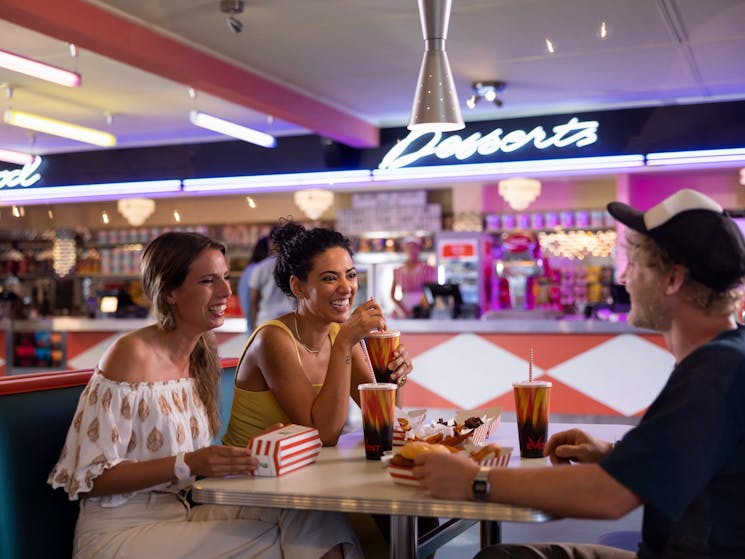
<point x="596" y="367"/>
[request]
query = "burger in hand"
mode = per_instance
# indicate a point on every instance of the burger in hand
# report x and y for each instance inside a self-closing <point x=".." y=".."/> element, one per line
<point x="407" y="453"/>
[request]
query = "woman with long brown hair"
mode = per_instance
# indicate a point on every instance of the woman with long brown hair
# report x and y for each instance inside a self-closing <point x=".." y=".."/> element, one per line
<point x="144" y="426"/>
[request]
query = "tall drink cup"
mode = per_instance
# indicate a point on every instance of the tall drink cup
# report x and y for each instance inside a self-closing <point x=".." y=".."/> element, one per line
<point x="377" y="402"/>
<point x="380" y="347"/>
<point x="532" y="400"/>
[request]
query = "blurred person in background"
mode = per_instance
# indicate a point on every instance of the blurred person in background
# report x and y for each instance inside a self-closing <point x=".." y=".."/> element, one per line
<point x="267" y="300"/>
<point x="407" y="289"/>
<point x="260" y="252"/>
<point x="685" y="461"/>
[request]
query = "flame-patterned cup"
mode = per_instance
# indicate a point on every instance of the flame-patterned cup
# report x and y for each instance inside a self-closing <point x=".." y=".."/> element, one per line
<point x="377" y="403"/>
<point x="532" y="399"/>
<point x="380" y="347"/>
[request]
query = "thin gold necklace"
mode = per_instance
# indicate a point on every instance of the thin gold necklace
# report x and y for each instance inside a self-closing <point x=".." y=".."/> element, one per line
<point x="297" y="335"/>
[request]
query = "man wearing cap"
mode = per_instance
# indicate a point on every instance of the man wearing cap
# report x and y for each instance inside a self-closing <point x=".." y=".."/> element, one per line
<point x="685" y="461"/>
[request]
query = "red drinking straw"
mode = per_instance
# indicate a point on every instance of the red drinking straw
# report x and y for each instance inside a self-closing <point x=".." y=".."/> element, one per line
<point x="367" y="359"/>
<point x="530" y="366"/>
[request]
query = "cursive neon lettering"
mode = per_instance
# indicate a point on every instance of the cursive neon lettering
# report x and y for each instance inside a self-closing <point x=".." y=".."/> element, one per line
<point x="25" y="176"/>
<point x="514" y="140"/>
<point x="490" y="143"/>
<point x="396" y="158"/>
<point x="575" y="132"/>
<point x="409" y="150"/>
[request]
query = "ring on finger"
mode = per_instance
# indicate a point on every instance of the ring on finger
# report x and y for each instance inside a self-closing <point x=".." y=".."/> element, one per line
<point x="402" y="381"/>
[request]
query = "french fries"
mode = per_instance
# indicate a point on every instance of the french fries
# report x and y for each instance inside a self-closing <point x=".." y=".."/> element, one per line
<point x="485" y="452"/>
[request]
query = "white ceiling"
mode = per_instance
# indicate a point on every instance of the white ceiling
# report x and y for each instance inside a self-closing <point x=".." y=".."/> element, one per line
<point x="343" y="68"/>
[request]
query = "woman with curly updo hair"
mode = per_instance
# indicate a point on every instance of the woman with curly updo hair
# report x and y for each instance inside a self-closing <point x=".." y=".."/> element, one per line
<point x="303" y="367"/>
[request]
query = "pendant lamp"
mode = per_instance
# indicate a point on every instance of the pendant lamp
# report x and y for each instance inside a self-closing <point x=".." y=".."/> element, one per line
<point x="436" y="106"/>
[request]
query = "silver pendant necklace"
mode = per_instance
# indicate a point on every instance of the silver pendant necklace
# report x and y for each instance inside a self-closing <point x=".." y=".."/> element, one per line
<point x="297" y="335"/>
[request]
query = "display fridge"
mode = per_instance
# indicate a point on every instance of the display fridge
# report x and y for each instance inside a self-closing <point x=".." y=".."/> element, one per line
<point x="464" y="259"/>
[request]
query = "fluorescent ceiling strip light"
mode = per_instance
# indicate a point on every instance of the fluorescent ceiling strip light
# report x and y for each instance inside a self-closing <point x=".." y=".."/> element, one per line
<point x="228" y="128"/>
<point x="697" y="156"/>
<point x="39" y="70"/>
<point x="289" y="180"/>
<point x="510" y="167"/>
<point x="58" y="128"/>
<point x="17" y="157"/>
<point x="89" y="191"/>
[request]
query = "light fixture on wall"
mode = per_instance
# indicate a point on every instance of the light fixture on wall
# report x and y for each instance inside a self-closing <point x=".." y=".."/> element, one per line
<point x="36" y="69"/>
<point x="436" y="106"/>
<point x="63" y="252"/>
<point x="136" y="210"/>
<point x="221" y="126"/>
<point x="487" y="91"/>
<point x="314" y="201"/>
<point x="17" y="157"/>
<point x="58" y="128"/>
<point x="519" y="192"/>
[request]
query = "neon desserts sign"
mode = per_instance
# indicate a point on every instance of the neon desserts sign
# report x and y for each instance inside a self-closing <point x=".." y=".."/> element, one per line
<point x="25" y="176"/>
<point x="575" y="132"/>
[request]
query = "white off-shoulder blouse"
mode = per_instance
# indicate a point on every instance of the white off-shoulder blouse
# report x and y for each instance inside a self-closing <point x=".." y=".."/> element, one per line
<point x="119" y="421"/>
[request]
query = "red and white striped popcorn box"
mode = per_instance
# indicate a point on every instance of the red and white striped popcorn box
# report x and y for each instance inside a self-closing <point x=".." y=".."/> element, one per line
<point x="491" y="418"/>
<point x="415" y="419"/>
<point x="285" y="450"/>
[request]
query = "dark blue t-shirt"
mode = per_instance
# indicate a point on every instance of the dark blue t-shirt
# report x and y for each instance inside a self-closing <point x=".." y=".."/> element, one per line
<point x="686" y="459"/>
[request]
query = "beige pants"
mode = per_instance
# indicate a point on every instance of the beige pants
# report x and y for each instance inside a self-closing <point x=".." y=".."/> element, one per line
<point x="159" y="525"/>
<point x="554" y="551"/>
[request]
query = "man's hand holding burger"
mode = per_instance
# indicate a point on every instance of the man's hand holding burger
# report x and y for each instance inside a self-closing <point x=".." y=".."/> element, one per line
<point x="408" y="453"/>
<point x="446" y="475"/>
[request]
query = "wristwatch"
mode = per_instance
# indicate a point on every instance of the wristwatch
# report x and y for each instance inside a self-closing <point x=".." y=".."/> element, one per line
<point x="181" y="469"/>
<point x="480" y="486"/>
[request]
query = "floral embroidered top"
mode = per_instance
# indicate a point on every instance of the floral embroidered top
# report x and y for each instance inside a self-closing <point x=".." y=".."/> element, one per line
<point x="119" y="421"/>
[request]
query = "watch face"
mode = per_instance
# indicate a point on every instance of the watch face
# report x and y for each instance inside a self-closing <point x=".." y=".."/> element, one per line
<point x="181" y="468"/>
<point x="480" y="489"/>
<point x="182" y="471"/>
<point x="480" y="485"/>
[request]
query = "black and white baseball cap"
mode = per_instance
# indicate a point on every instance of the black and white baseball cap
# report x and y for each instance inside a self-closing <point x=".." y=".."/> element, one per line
<point x="696" y="232"/>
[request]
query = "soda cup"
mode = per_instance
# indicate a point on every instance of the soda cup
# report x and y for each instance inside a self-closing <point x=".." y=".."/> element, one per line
<point x="377" y="403"/>
<point x="380" y="348"/>
<point x="532" y="400"/>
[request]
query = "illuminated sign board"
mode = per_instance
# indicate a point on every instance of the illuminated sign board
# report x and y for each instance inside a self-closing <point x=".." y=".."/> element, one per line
<point x="410" y="150"/>
<point x="25" y="176"/>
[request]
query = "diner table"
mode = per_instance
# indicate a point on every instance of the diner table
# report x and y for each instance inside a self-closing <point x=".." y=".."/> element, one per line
<point x="342" y="480"/>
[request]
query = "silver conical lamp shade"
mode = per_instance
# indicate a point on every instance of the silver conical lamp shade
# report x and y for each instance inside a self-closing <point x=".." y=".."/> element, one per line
<point x="436" y="104"/>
